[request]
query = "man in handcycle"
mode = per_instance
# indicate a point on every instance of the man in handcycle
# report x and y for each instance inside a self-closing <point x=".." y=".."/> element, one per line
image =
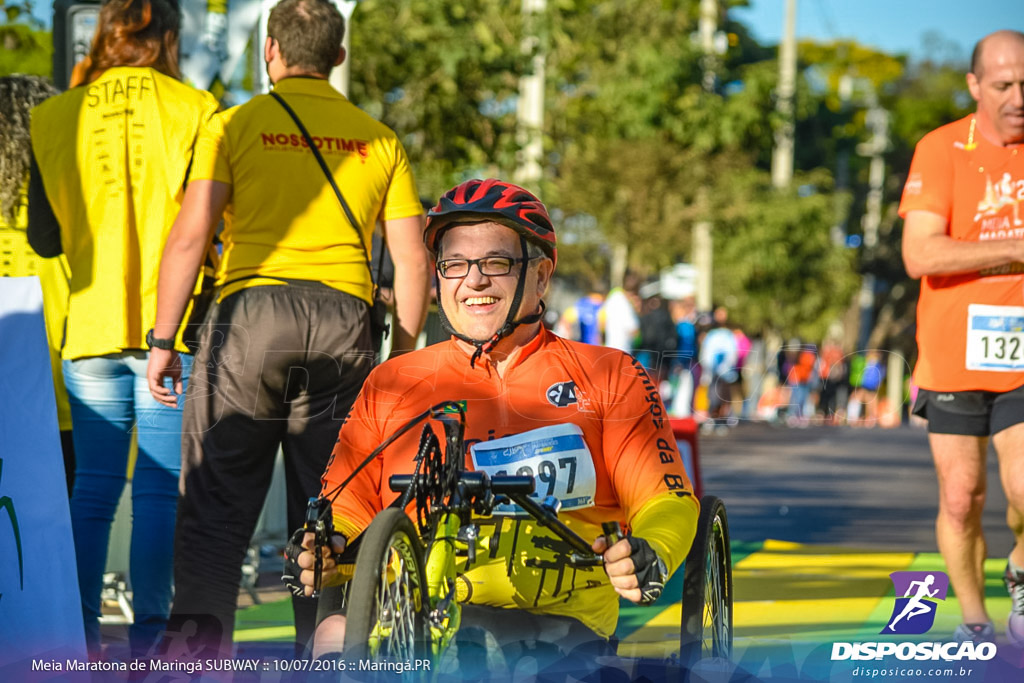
<point x="495" y="254"/>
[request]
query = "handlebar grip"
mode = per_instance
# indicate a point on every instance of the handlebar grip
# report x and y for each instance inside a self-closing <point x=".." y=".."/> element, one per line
<point x="312" y="510"/>
<point x="612" y="532"/>
<point x="511" y="484"/>
<point x="400" y="482"/>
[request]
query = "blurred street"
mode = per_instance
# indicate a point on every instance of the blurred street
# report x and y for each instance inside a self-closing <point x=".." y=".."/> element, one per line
<point x="835" y="485"/>
<point x="819" y="518"/>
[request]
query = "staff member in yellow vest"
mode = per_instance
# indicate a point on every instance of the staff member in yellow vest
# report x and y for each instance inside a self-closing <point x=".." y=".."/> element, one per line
<point x="286" y="348"/>
<point x="112" y="157"/>
<point x="18" y="95"/>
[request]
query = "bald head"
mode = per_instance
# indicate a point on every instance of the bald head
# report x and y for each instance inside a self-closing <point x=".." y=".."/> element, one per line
<point x="992" y="43"/>
<point x="997" y="84"/>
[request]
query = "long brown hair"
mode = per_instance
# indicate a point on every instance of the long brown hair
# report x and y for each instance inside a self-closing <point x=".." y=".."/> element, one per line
<point x="132" y="33"/>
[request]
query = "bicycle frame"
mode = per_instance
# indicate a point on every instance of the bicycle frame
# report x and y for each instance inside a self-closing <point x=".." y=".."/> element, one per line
<point x="447" y="496"/>
<point x="445" y="612"/>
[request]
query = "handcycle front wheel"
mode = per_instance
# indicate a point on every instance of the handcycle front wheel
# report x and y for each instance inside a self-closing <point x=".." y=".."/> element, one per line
<point x="387" y="606"/>
<point x="707" y="588"/>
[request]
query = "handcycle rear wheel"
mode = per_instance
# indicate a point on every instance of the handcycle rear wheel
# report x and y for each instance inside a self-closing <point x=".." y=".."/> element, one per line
<point x="707" y="588"/>
<point x="387" y="607"/>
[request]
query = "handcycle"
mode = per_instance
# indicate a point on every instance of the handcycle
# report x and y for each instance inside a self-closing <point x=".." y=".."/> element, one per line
<point x="403" y="601"/>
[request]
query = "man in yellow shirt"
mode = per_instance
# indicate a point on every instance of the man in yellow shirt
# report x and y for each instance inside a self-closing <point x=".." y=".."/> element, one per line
<point x="286" y="347"/>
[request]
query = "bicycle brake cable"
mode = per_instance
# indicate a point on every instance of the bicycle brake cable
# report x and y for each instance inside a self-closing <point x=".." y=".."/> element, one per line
<point x="319" y="510"/>
<point x="434" y="411"/>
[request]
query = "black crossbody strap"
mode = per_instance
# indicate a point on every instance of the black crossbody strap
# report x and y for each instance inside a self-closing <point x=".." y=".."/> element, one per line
<point x="334" y="186"/>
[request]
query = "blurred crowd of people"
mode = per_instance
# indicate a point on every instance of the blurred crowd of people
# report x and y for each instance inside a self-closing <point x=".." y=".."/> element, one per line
<point x="709" y="368"/>
<point x="829" y="386"/>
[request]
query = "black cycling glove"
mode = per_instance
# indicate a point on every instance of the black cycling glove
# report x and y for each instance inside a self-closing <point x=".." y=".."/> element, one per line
<point x="651" y="572"/>
<point x="292" y="570"/>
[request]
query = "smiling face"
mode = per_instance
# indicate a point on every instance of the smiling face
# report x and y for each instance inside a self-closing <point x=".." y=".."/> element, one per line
<point x="998" y="87"/>
<point x="477" y="305"/>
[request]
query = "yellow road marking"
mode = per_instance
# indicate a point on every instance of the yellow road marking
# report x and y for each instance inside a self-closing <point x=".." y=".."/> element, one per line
<point x="788" y="590"/>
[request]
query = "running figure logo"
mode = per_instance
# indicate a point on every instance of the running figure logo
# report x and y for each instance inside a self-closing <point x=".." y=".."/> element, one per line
<point x="916" y="595"/>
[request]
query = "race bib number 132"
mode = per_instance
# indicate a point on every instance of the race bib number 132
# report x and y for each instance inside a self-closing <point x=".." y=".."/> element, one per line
<point x="556" y="457"/>
<point x="995" y="338"/>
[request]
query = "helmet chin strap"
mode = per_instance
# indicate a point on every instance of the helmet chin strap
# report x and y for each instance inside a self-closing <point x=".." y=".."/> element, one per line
<point x="487" y="345"/>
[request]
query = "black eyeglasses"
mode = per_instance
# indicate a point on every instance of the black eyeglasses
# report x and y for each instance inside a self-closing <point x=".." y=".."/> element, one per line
<point x="490" y="266"/>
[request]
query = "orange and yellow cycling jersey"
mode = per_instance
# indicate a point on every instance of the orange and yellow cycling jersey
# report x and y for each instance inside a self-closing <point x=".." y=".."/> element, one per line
<point x="284" y="220"/>
<point x="969" y="325"/>
<point x="629" y="466"/>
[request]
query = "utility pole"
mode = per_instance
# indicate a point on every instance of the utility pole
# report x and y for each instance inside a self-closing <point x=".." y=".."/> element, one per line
<point x="707" y="27"/>
<point x="703" y="245"/>
<point x="530" y="109"/>
<point x="841" y="227"/>
<point x="782" y="157"/>
<point x="340" y="75"/>
<point x="878" y="122"/>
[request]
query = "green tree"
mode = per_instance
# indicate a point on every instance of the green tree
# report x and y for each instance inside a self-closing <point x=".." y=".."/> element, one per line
<point x="776" y="262"/>
<point x="446" y="78"/>
<point x="929" y="94"/>
<point x="640" y="147"/>
<point x="636" y="151"/>
<point x="27" y="48"/>
<point x="619" y="74"/>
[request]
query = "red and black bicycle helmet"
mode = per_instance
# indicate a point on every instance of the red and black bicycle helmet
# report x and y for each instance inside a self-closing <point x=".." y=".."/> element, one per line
<point x="476" y="201"/>
<point x="492" y="200"/>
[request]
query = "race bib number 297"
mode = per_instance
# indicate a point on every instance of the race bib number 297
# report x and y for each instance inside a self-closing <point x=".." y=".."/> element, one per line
<point x="556" y="457"/>
<point x="995" y="338"/>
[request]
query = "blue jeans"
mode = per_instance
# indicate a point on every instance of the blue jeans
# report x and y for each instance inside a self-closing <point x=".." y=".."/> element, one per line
<point x="798" y="398"/>
<point x="109" y="396"/>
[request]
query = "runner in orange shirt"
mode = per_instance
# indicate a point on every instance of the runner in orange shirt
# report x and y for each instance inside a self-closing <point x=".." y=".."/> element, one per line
<point x="963" y="238"/>
<point x="495" y="249"/>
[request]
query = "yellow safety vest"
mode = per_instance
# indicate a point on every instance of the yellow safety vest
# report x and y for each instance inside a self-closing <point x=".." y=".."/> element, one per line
<point x="114" y="155"/>
<point x="20" y="261"/>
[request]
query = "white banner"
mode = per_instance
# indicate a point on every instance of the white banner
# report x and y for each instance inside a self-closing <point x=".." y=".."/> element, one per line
<point x="40" y="608"/>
